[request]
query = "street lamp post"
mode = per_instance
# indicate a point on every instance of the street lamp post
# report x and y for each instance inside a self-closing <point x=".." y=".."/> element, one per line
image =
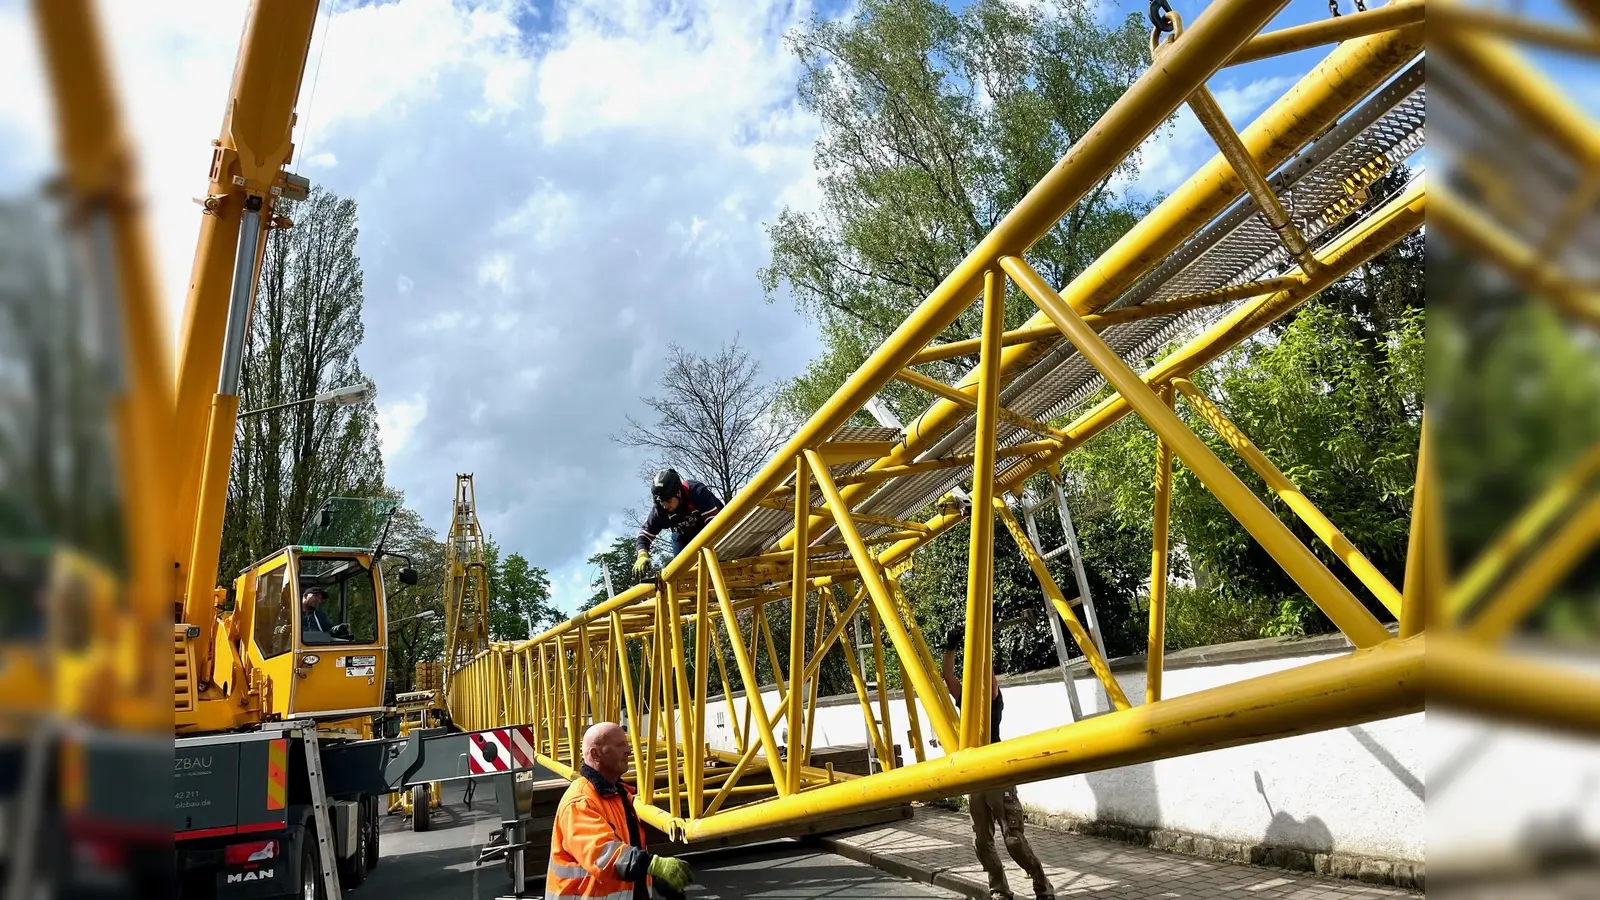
<point x="349" y="395"/>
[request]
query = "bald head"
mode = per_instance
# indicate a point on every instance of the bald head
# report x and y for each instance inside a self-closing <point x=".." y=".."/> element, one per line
<point x="605" y="749"/>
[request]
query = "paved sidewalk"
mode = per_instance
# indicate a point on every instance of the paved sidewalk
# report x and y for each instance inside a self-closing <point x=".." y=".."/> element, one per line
<point x="936" y="847"/>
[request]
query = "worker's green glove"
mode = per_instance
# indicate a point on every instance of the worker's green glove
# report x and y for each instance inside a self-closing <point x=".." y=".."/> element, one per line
<point x="674" y="872"/>
<point x="641" y="561"/>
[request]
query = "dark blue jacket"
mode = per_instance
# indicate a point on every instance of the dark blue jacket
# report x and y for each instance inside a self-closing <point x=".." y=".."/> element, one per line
<point x="696" y="506"/>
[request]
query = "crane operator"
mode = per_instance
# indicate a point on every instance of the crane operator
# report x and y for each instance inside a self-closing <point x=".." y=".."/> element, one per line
<point x="683" y="506"/>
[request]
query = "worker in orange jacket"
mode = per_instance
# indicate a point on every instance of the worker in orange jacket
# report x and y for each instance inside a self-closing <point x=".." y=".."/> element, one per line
<point x="597" y="846"/>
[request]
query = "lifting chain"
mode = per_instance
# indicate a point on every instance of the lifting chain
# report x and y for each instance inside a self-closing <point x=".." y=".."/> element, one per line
<point x="1159" y="10"/>
<point x="1333" y="7"/>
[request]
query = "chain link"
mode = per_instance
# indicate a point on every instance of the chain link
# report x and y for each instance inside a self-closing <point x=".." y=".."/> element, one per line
<point x="1158" y="15"/>
<point x="1361" y="5"/>
<point x="1333" y="7"/>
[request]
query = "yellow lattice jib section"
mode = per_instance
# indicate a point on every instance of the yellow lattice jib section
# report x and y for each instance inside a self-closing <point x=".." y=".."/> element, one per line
<point x="807" y="559"/>
<point x="466" y="584"/>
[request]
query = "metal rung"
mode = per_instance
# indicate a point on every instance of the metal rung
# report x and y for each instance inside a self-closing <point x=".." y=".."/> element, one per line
<point x="1056" y="552"/>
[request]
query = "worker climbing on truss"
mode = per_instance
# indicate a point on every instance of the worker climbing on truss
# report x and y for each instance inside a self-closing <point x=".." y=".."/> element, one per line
<point x="683" y="506"/>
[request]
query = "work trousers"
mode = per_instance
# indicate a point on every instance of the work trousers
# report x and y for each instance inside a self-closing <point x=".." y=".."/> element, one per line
<point x="1003" y="807"/>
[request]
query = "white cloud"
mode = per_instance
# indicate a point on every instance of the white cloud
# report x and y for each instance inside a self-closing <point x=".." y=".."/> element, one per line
<point x="547" y="200"/>
<point x="396" y="421"/>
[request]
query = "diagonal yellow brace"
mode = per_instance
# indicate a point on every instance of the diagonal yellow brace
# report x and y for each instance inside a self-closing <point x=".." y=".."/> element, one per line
<point x="1052" y="592"/>
<point x="1535" y="520"/>
<point x="1331" y="596"/>
<point x="1292" y="497"/>
<point x="1557" y="556"/>
<point x="932" y="692"/>
<point x="968" y="398"/>
<point x="747" y="671"/>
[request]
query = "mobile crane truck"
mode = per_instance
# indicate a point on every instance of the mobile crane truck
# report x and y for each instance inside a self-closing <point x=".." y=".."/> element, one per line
<point x="278" y="778"/>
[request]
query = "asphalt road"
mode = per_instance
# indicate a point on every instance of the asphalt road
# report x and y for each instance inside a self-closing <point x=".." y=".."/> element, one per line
<point x="439" y="865"/>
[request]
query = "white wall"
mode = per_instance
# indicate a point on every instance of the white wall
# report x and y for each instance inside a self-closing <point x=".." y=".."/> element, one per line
<point x="1354" y="790"/>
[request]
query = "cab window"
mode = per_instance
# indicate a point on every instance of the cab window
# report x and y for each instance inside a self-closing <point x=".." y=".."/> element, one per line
<point x="272" y="622"/>
<point x="349" y="614"/>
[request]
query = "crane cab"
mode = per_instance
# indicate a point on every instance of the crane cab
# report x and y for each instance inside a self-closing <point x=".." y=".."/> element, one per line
<point x="317" y="632"/>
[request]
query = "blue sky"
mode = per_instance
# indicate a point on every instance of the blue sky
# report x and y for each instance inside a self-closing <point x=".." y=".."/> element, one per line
<point x="549" y="194"/>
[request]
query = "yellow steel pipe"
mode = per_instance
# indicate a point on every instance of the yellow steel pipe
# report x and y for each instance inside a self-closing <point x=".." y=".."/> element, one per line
<point x="1396" y="14"/>
<point x="1293" y="497"/>
<point x="1052" y="592"/>
<point x="1385" y="228"/>
<point x="797" y="617"/>
<point x="859" y="681"/>
<point x="1312" y="105"/>
<point x="1374" y="683"/>
<point x="1156" y="647"/>
<point x="1557" y="555"/>
<point x="1214" y="36"/>
<point x="912" y="664"/>
<point x="1198" y="300"/>
<point x="968" y="398"/>
<point x="975" y="677"/>
<point x="747" y="671"/>
<point x="1484" y="238"/>
<point x="1098" y="321"/>
<point x="1533" y="522"/>
<point x="883" y="687"/>
<point x="1302" y="566"/>
<point x="1468" y="676"/>
<point x="1420" y="606"/>
<point x="1529" y="95"/>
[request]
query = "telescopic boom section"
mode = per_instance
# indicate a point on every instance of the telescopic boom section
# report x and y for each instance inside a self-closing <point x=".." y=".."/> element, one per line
<point x="247" y="177"/>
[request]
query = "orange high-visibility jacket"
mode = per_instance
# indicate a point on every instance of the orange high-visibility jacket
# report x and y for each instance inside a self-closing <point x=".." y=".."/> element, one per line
<point x="597" y="845"/>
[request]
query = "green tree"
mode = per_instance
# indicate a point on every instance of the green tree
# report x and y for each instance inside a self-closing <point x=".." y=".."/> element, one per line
<point x="616" y="559"/>
<point x="416" y="612"/>
<point x="304" y="335"/>
<point x="934" y="125"/>
<point x="520" y="595"/>
<point x="57" y="458"/>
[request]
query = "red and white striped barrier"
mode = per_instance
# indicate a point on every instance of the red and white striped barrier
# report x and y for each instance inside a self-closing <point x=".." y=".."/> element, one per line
<point x="500" y="750"/>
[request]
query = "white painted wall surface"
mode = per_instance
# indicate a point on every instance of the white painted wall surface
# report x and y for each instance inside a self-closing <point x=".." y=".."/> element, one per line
<point x="1353" y="790"/>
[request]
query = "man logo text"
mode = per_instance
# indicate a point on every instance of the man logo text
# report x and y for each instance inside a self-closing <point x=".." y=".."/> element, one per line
<point x="258" y="875"/>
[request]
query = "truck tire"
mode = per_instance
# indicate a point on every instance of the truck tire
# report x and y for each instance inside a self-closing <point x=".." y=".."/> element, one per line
<point x="373" y="831"/>
<point x="353" y="871"/>
<point x="421" y="812"/>
<point x="310" y="874"/>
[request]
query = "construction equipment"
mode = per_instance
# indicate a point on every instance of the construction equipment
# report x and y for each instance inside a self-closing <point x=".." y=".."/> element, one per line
<point x="415" y="710"/>
<point x="843" y="507"/>
<point x="466" y="585"/>
<point x="1220" y="258"/>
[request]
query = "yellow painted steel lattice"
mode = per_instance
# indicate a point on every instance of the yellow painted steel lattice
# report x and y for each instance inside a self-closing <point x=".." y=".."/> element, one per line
<point x="830" y="515"/>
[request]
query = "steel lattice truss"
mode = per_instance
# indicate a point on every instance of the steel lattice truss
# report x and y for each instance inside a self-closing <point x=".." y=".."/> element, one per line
<point x="1236" y="247"/>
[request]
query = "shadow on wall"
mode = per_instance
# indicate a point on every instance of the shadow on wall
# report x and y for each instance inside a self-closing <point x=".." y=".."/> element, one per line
<point x="1310" y="834"/>
<point x="1559" y="839"/>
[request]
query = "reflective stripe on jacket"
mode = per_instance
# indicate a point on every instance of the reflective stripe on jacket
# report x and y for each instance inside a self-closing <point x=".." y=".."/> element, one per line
<point x="597" y="846"/>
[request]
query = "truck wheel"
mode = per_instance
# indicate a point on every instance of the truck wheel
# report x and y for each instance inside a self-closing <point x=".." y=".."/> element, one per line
<point x="421" y="812"/>
<point x="372" y="836"/>
<point x="310" y="876"/>
<point x="353" y="871"/>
